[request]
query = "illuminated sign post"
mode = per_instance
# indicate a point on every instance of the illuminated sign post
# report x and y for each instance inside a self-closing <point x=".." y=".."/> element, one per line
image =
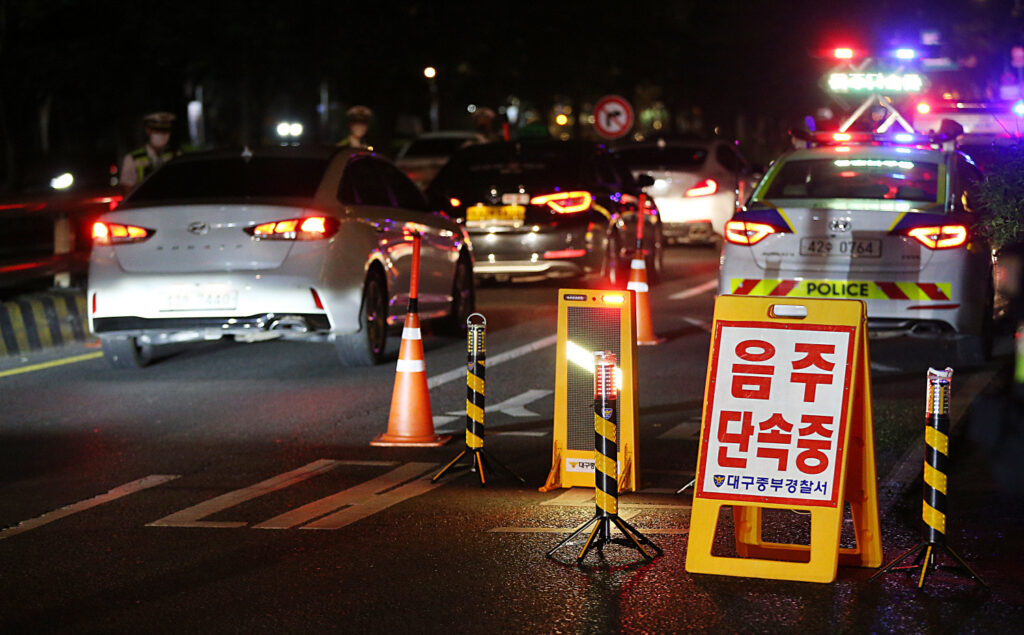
<point x="591" y="320"/>
<point x="879" y="86"/>
<point x="786" y="425"/>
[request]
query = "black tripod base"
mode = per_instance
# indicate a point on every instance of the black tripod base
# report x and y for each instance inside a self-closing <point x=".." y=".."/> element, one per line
<point x="602" y="535"/>
<point x="479" y="459"/>
<point x="925" y="562"/>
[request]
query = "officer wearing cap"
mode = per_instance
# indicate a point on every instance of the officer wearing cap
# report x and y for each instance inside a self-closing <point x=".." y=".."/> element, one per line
<point x="358" y="124"/>
<point x="139" y="163"/>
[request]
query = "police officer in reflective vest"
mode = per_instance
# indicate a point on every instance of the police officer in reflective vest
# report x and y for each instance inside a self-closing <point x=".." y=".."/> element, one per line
<point x="359" y="118"/>
<point x="140" y="163"/>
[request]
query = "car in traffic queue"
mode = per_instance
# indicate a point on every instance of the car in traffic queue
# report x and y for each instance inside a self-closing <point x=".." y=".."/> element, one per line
<point x="698" y="184"/>
<point x="424" y="156"/>
<point x="540" y="207"/>
<point x="299" y="243"/>
<point x="887" y="219"/>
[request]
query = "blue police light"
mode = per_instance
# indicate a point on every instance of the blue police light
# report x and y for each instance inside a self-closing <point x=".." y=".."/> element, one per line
<point x="903" y="137"/>
<point x="1018" y="108"/>
<point x="905" y="54"/>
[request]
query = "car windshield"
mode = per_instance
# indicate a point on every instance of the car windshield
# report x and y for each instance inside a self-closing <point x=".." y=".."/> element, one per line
<point x="233" y="177"/>
<point x="667" y="158"/>
<point x="860" y="177"/>
<point x="435" y="147"/>
<point x="514" y="164"/>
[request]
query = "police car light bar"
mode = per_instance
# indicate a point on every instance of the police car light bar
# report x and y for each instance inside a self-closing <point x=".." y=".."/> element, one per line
<point x="825" y="138"/>
<point x="875" y="83"/>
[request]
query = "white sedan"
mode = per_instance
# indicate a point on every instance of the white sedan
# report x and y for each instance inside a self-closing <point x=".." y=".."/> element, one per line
<point x="294" y="243"/>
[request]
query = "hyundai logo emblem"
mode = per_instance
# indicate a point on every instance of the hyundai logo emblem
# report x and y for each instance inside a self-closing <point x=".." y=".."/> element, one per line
<point x="198" y="228"/>
<point x="839" y="224"/>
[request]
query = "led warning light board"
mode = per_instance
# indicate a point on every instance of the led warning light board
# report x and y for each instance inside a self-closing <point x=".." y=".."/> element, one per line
<point x="786" y="425"/>
<point x="590" y="321"/>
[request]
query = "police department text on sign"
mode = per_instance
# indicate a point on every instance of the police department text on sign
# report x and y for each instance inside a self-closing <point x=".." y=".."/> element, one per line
<point x="776" y="413"/>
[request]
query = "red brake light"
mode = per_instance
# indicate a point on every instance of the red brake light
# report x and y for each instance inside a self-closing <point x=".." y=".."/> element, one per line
<point x="939" y="237"/>
<point x="116" y="233"/>
<point x="843" y="53"/>
<point x="308" y="228"/>
<point x="706" y="187"/>
<point x="565" y="202"/>
<point x="454" y="202"/>
<point x="746" y="233"/>
<point x="924" y="108"/>
<point x="841" y="136"/>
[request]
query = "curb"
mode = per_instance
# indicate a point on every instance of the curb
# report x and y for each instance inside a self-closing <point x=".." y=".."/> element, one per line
<point x="43" y="320"/>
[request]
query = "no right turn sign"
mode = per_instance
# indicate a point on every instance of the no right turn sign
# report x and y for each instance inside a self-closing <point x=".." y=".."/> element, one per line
<point x="613" y="117"/>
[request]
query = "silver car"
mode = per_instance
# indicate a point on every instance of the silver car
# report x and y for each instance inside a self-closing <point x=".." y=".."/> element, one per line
<point x="294" y="243"/>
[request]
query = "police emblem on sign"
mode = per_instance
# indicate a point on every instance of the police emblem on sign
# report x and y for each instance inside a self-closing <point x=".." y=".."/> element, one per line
<point x="719" y="479"/>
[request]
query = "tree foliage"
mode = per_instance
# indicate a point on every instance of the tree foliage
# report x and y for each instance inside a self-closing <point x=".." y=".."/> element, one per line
<point x="1002" y="193"/>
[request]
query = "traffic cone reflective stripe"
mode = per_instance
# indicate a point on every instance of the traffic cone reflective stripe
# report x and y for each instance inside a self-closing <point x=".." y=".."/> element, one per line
<point x="411" y="421"/>
<point x="638" y="284"/>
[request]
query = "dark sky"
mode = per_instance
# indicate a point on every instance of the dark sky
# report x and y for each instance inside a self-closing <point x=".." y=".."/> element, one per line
<point x="96" y="66"/>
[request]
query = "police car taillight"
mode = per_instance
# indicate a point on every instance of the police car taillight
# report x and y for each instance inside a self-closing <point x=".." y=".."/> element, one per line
<point x="741" y="232"/>
<point x="116" y="233"/>
<point x="939" y="237"/>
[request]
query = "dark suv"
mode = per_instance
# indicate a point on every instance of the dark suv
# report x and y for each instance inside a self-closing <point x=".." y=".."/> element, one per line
<point x="547" y="208"/>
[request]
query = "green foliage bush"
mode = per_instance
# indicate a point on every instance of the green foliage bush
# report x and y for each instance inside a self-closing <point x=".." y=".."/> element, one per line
<point x="1002" y="194"/>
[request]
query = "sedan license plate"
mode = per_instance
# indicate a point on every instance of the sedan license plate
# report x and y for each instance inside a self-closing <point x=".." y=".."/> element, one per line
<point x="841" y="248"/>
<point x="482" y="215"/>
<point x="199" y="297"/>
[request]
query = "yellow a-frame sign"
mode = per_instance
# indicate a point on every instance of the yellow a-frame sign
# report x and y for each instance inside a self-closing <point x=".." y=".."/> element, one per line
<point x="786" y="425"/>
<point x="589" y="321"/>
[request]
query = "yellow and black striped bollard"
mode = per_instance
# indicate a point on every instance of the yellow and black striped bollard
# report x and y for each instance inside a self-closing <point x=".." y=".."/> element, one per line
<point x="936" y="467"/>
<point x="475" y="406"/>
<point x="606" y="482"/>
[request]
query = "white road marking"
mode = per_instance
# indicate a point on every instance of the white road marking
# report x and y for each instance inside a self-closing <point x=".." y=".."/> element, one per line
<point x="519" y="351"/>
<point x="192" y="516"/>
<point x="514" y="407"/>
<point x="123" y="490"/>
<point x="376" y="502"/>
<point x="357" y="495"/>
<point x="701" y="324"/>
<point x="584" y="497"/>
<point x="683" y="431"/>
<point x="692" y="291"/>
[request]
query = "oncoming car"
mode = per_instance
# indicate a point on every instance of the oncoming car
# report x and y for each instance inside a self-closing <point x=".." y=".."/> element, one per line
<point x="892" y="225"/>
<point x="297" y="243"/>
<point x="547" y="208"/>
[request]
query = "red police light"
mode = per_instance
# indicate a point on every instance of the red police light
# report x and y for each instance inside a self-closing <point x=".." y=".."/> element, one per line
<point x="843" y="53"/>
<point x="924" y="108"/>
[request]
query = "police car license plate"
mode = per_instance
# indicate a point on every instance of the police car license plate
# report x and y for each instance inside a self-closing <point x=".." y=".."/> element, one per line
<point x="199" y="297"/>
<point x="848" y="248"/>
<point x="481" y="215"/>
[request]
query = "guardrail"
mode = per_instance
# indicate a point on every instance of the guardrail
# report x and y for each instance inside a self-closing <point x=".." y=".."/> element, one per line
<point x="49" y="237"/>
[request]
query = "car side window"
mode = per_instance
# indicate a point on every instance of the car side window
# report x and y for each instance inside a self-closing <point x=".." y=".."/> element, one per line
<point x="727" y="157"/>
<point x="361" y="184"/>
<point x="404" y="192"/>
<point x="970" y="184"/>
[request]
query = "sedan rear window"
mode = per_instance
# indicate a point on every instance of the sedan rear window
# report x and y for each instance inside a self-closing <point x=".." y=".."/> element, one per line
<point x="513" y="164"/>
<point x="435" y="147"/>
<point x="667" y="158"/>
<point x="233" y="177"/>
<point x="863" y="178"/>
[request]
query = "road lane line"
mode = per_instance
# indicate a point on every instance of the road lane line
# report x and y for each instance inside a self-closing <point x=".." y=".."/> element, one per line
<point x="192" y="516"/>
<point x="118" y="492"/>
<point x="702" y="325"/>
<point x="692" y="291"/>
<point x="492" y="361"/>
<point x="44" y="365"/>
<point x="352" y="496"/>
<point x="380" y="501"/>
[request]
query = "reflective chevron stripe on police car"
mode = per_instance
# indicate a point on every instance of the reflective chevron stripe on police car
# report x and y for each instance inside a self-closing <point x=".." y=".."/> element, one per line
<point x="856" y="289"/>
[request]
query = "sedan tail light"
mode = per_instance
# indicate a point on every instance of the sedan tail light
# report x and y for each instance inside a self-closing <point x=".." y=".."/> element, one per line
<point x="308" y="228"/>
<point x="940" y="236"/>
<point x="565" y="202"/>
<point x="746" y="233"/>
<point x="116" y="233"/>
<point x="707" y="187"/>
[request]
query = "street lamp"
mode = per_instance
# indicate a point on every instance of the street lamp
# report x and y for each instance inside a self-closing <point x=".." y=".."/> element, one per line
<point x="431" y="74"/>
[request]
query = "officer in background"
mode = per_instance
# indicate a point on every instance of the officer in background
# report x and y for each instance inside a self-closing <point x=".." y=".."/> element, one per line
<point x="359" y="118"/>
<point x="140" y="163"/>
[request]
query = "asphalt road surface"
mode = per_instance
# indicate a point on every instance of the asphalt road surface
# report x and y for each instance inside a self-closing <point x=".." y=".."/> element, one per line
<point x="232" y="488"/>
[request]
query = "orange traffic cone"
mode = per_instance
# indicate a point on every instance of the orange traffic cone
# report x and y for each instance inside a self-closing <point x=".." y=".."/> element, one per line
<point x="638" y="284"/>
<point x="411" y="422"/>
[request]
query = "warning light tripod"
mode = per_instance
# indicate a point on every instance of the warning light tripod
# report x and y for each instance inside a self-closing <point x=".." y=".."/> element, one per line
<point x="935" y="469"/>
<point x="475" y="367"/>
<point x="606" y="485"/>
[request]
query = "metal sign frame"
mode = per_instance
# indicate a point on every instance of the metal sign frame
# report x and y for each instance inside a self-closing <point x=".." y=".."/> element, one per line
<point x="574" y="466"/>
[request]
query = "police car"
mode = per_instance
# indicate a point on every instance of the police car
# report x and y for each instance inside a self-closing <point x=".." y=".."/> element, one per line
<point x="887" y="219"/>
